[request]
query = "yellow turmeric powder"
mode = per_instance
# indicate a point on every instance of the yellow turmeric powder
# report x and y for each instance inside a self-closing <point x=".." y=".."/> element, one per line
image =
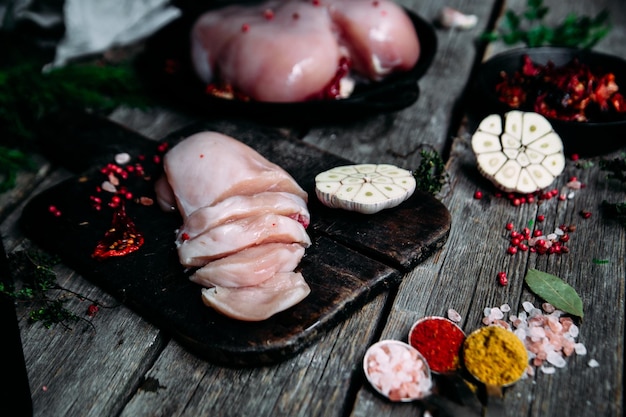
<point x="495" y="356"/>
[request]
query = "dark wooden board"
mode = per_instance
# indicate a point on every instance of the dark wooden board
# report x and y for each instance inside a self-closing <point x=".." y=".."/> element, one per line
<point x="353" y="257"/>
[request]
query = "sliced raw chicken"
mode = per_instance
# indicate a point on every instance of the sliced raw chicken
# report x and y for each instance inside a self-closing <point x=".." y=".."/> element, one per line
<point x="237" y="235"/>
<point x="292" y="50"/>
<point x="241" y="206"/>
<point x="251" y="266"/>
<point x="244" y="221"/>
<point x="259" y="302"/>
<point x="209" y="167"/>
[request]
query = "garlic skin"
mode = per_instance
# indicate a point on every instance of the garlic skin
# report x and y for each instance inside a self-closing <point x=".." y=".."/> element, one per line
<point x="520" y="152"/>
<point x="364" y="188"/>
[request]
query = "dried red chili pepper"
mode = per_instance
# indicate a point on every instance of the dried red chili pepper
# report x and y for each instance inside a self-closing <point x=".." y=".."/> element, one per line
<point x="439" y="340"/>
<point x="122" y="237"/>
<point x="572" y="92"/>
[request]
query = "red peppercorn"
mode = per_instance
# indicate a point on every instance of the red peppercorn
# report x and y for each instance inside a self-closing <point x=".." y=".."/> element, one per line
<point x="517" y="202"/>
<point x="502" y="278"/>
<point x="575" y="157"/>
<point x="512" y="250"/>
<point x="541" y="218"/>
<point x="516" y="241"/>
<point x="565" y="238"/>
<point x="537" y="233"/>
<point x="92" y="310"/>
<point x="523" y="247"/>
<point x="478" y="194"/>
<point x="509" y="226"/>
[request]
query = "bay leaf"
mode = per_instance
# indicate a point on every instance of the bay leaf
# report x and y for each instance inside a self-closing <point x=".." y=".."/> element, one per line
<point x="555" y="291"/>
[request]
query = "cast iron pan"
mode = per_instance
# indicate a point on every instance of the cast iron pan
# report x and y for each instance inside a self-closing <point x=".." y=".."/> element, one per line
<point x="166" y="66"/>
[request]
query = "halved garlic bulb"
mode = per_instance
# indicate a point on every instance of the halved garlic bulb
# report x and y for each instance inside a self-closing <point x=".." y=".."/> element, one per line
<point x="518" y="153"/>
<point x="364" y="188"/>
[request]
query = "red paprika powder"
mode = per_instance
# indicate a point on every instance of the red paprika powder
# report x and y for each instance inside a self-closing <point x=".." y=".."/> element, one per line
<point x="439" y="340"/>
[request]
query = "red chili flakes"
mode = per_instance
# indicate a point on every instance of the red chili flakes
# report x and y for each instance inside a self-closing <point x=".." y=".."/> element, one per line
<point x="572" y="92"/>
<point x="268" y="14"/>
<point x="440" y="341"/>
<point x="585" y="214"/>
<point x="121" y="239"/>
<point x="245" y="27"/>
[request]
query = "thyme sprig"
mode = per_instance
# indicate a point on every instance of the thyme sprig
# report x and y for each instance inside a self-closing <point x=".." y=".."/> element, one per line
<point x="529" y="27"/>
<point x="34" y="270"/>
<point x="431" y="174"/>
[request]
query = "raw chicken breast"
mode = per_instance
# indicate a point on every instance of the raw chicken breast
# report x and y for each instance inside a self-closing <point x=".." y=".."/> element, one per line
<point x="293" y="50"/>
<point x="258" y="302"/>
<point x="209" y="167"/>
<point x="241" y="206"/>
<point x="379" y="35"/>
<point x="249" y="51"/>
<point x="234" y="236"/>
<point x="244" y="221"/>
<point x="250" y="266"/>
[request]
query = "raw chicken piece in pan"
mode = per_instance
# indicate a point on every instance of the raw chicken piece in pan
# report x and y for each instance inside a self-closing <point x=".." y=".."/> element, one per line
<point x="296" y="50"/>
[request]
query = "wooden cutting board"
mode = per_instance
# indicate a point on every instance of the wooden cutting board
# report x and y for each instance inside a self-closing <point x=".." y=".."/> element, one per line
<point x="353" y="257"/>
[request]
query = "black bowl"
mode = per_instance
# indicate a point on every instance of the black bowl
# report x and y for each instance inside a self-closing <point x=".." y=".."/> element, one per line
<point x="182" y="88"/>
<point x="584" y="138"/>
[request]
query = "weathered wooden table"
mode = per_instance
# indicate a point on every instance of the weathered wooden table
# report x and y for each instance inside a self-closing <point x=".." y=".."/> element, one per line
<point x="129" y="367"/>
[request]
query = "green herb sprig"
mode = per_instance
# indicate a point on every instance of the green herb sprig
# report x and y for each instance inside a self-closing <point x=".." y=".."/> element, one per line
<point x="431" y="174"/>
<point x="529" y="27"/>
<point x="39" y="287"/>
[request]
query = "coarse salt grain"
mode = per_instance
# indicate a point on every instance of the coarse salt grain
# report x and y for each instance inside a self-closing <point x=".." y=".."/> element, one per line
<point x="527" y="306"/>
<point x="580" y="349"/>
<point x="122" y="158"/>
<point x="593" y="363"/>
<point x="108" y="187"/>
<point x="454" y="315"/>
<point x="505" y="308"/>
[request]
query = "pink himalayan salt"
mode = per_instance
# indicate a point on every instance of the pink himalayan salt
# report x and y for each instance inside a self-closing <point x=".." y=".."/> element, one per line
<point x="397" y="370"/>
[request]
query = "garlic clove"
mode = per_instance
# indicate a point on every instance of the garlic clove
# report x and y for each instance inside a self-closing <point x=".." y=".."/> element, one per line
<point x="513" y="124"/>
<point x="490" y="163"/>
<point x="484" y="142"/>
<point x="364" y="188"/>
<point x="526" y="156"/>
<point x="535" y="126"/>
<point x="491" y="124"/>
